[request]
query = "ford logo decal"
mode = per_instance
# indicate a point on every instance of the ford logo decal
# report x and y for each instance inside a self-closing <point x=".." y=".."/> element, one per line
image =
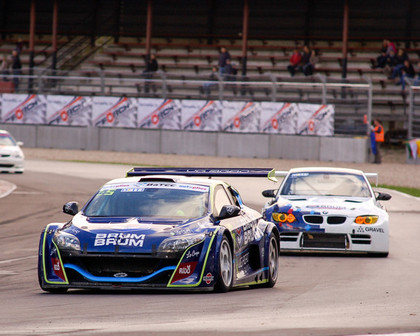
<point x="120" y="275"/>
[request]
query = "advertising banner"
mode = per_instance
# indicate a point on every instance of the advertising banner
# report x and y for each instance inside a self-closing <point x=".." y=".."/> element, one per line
<point x="241" y="116"/>
<point x="201" y="115"/>
<point x="69" y="110"/>
<point x="23" y="109"/>
<point x="279" y="118"/>
<point x="159" y="113"/>
<point x="315" y="119"/>
<point x="114" y="112"/>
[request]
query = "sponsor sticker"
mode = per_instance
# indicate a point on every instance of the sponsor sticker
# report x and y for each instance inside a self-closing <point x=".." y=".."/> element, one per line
<point x="208" y="278"/>
<point x="120" y="239"/>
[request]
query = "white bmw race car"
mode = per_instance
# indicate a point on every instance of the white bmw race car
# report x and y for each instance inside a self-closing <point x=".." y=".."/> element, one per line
<point x="11" y="155"/>
<point x="329" y="210"/>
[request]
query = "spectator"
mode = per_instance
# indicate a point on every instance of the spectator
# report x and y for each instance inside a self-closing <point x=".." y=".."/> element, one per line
<point x="19" y="45"/>
<point x="151" y="67"/>
<point x="223" y="57"/>
<point x="227" y="70"/>
<point x="400" y="58"/>
<point x="16" y="68"/>
<point x="306" y="57"/>
<point x="152" y="64"/>
<point x="387" y="48"/>
<point x="390" y="62"/>
<point x="4" y="67"/>
<point x="308" y="68"/>
<point x="417" y="80"/>
<point x="378" y="129"/>
<point x="406" y="72"/>
<point x="213" y="79"/>
<point x="294" y="62"/>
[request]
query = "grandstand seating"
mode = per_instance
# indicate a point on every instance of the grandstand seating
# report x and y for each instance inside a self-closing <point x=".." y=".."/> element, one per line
<point x="194" y="57"/>
<point x="181" y="57"/>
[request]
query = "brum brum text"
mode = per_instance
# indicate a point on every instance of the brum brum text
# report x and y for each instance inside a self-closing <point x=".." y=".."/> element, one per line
<point x="120" y="239"/>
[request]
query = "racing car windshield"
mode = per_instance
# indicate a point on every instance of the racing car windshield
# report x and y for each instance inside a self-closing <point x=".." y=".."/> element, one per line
<point x="150" y="199"/>
<point x="325" y="184"/>
<point x="6" y="140"/>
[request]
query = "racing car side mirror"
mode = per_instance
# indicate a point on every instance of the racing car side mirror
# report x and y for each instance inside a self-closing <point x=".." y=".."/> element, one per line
<point x="229" y="211"/>
<point x="383" y="197"/>
<point x="71" y="208"/>
<point x="270" y="193"/>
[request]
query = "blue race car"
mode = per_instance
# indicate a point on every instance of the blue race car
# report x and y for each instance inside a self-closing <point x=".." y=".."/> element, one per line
<point x="161" y="228"/>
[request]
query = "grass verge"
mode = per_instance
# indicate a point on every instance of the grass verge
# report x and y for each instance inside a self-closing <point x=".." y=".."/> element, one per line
<point x="407" y="190"/>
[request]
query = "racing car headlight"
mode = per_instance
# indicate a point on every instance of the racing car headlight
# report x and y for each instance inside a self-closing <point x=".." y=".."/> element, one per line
<point x="18" y="155"/>
<point x="366" y="220"/>
<point x="179" y="244"/>
<point x="67" y="241"/>
<point x="283" y="217"/>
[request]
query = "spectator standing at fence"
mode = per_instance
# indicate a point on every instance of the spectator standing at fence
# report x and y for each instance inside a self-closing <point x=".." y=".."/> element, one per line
<point x="223" y="57"/>
<point x="16" y="68"/>
<point x="378" y="130"/>
<point x="151" y="67"/>
<point x="294" y="62"/>
<point x="308" y="68"/>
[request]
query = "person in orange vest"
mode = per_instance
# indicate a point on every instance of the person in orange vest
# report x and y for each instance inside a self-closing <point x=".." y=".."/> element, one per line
<point x="378" y="129"/>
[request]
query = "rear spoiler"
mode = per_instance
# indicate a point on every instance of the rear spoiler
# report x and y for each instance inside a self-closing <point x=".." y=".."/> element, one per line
<point x="270" y="173"/>
<point x="373" y="175"/>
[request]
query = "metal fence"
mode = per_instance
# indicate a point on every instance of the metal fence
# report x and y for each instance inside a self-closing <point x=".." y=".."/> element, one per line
<point x="352" y="99"/>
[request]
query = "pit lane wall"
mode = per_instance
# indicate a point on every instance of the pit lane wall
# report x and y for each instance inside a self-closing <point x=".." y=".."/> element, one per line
<point x="190" y="127"/>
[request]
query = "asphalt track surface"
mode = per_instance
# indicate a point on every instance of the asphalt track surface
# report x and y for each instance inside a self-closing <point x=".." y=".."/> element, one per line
<point x="315" y="295"/>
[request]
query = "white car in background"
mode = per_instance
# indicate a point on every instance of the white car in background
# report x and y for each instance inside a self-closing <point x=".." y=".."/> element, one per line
<point x="11" y="155"/>
<point x="329" y="210"/>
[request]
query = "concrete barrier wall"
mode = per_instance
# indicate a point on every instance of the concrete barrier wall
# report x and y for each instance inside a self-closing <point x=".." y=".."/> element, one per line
<point x="342" y="149"/>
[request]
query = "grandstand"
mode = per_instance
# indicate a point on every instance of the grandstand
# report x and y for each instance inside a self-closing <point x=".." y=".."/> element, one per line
<point x="102" y="46"/>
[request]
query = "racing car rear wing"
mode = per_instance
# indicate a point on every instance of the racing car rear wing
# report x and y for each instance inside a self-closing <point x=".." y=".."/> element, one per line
<point x="270" y="173"/>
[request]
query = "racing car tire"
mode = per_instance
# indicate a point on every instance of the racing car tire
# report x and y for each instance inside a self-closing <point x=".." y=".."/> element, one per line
<point x="273" y="263"/>
<point x="225" y="271"/>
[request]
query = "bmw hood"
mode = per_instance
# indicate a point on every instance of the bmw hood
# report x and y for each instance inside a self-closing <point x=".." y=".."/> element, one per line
<point x="127" y="235"/>
<point x="327" y="205"/>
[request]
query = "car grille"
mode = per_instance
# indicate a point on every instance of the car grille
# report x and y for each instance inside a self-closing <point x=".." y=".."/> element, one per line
<point x="6" y="165"/>
<point x="317" y="219"/>
<point x="5" y="155"/>
<point x="289" y="236"/>
<point x="323" y="240"/>
<point x="313" y="219"/>
<point x="361" y="239"/>
<point x="109" y="265"/>
<point x="336" y="219"/>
